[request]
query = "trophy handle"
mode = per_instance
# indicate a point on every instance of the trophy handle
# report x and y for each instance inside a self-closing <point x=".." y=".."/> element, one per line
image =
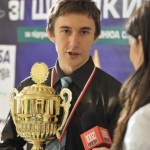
<point x="66" y="105"/>
<point x="13" y="93"/>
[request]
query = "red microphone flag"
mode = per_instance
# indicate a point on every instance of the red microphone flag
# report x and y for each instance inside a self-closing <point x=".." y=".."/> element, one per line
<point x="95" y="137"/>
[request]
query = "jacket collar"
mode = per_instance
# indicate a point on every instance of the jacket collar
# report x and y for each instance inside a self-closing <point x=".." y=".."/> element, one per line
<point x="79" y="77"/>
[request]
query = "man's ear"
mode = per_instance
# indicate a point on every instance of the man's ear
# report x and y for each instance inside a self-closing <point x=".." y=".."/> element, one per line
<point x="50" y="35"/>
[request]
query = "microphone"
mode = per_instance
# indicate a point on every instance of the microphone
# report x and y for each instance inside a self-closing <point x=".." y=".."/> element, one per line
<point x="94" y="134"/>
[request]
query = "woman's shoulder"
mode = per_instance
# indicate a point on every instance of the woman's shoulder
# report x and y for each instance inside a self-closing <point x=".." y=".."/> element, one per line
<point x="142" y="113"/>
<point x="141" y="118"/>
<point x="137" y="134"/>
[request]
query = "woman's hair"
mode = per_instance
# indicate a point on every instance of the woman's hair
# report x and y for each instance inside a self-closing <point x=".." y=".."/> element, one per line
<point x="63" y="7"/>
<point x="135" y="92"/>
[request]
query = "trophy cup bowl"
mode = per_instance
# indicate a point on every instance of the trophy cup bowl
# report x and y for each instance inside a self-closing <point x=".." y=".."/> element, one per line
<point x="36" y="109"/>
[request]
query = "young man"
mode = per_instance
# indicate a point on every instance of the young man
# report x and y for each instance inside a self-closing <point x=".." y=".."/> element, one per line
<point x="74" y="26"/>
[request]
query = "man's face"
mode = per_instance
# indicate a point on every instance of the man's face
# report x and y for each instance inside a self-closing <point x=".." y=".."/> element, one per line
<point x="73" y="37"/>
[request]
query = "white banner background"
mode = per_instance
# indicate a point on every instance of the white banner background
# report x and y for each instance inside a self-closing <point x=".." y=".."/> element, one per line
<point x="7" y="78"/>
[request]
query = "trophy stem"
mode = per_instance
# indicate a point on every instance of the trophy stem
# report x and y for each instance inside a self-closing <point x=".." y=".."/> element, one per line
<point x="37" y="147"/>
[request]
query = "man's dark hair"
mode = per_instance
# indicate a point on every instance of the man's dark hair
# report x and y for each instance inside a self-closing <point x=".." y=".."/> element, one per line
<point x="63" y="7"/>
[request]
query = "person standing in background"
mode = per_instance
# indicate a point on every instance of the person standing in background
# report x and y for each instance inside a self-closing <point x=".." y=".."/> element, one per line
<point x="74" y="26"/>
<point x="132" y="132"/>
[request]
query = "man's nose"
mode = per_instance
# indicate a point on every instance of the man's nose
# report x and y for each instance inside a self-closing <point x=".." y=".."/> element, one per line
<point x="74" y="39"/>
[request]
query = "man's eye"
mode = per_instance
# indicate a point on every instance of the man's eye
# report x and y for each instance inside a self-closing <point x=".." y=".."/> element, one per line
<point x="65" y="31"/>
<point x="84" y="32"/>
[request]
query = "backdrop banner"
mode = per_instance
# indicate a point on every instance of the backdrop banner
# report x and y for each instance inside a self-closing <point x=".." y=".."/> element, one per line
<point x="7" y="78"/>
<point x="22" y="28"/>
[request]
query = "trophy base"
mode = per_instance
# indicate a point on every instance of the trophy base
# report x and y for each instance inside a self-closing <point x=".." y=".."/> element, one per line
<point x="37" y="147"/>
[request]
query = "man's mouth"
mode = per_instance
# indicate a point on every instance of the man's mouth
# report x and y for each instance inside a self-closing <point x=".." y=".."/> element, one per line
<point x="73" y="53"/>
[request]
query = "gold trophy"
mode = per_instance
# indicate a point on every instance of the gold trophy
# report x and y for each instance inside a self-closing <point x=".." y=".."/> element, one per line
<point x="36" y="109"/>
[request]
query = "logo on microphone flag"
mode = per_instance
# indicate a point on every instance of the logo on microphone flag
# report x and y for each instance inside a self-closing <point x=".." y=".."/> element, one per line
<point x="94" y="137"/>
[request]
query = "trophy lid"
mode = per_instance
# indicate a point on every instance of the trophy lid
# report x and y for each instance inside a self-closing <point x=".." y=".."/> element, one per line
<point x="39" y="73"/>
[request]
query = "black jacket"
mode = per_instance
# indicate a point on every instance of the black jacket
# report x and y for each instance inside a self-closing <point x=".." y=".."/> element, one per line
<point x="100" y="97"/>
